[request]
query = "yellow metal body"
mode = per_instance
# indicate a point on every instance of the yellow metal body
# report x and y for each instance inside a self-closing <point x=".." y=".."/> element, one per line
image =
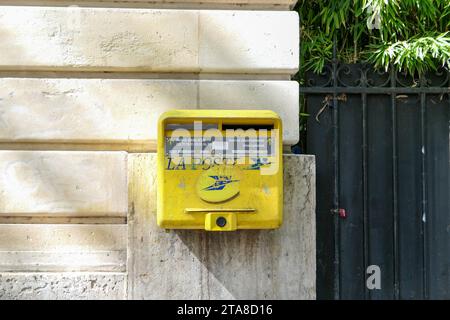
<point x="213" y="191"/>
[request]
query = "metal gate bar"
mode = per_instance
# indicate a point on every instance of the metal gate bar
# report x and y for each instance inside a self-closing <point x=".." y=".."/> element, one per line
<point x="337" y="284"/>
<point x="395" y="186"/>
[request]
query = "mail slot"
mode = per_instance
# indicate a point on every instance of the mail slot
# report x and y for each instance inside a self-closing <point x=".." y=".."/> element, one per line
<point x="220" y="170"/>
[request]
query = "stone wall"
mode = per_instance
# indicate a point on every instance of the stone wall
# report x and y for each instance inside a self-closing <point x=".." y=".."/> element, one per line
<point x="81" y="89"/>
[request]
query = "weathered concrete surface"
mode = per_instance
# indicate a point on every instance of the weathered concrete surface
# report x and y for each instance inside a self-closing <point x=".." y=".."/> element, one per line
<point x="60" y="286"/>
<point x="148" y="40"/>
<point x="185" y="264"/>
<point x="125" y="112"/>
<point x="61" y="183"/>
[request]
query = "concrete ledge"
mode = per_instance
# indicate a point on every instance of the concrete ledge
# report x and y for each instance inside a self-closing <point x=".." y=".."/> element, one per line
<point x="247" y="264"/>
<point x="148" y="40"/>
<point x="50" y="286"/>
<point x="124" y="111"/>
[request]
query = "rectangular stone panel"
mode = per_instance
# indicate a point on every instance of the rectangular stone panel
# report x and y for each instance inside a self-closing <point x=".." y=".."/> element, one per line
<point x="62" y="248"/>
<point x="148" y="40"/>
<point x="124" y="111"/>
<point x="63" y="183"/>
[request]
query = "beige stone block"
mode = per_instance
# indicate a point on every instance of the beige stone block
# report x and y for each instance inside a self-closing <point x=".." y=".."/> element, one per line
<point x="125" y="111"/>
<point x="63" y="183"/>
<point x="246" y="264"/>
<point x="148" y="40"/>
<point x="63" y="238"/>
<point x="255" y="41"/>
<point x="49" y="38"/>
<point x="88" y="110"/>
<point x="63" y="248"/>
<point x="62" y="286"/>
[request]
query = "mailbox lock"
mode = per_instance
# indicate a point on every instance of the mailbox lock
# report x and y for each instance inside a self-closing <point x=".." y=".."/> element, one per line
<point x="221" y="222"/>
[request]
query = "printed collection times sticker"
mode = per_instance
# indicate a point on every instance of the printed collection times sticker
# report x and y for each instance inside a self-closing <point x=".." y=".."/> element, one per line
<point x="210" y="146"/>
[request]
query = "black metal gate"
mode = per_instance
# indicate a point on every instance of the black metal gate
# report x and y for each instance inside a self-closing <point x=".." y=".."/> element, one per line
<point x="381" y="142"/>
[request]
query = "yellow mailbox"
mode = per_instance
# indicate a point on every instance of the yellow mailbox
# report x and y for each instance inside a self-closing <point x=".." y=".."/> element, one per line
<point x="220" y="170"/>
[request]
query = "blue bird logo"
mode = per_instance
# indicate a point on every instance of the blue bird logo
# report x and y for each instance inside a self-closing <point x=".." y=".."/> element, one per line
<point x="220" y="182"/>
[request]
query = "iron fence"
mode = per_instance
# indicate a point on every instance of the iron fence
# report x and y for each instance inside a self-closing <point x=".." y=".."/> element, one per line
<point x="381" y="141"/>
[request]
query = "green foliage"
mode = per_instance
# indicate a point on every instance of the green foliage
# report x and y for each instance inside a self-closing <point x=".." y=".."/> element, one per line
<point x="411" y="35"/>
<point x="416" y="55"/>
